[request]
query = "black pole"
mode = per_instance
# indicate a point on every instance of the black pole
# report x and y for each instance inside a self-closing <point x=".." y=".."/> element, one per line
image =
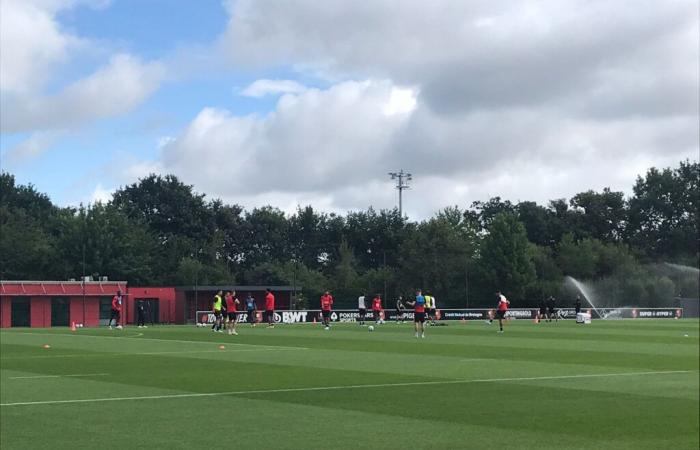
<point x="196" y="298"/>
<point x="385" y="298"/>
<point x="83" y="286"/>
<point x="466" y="283"/>
<point x="294" y="285"/>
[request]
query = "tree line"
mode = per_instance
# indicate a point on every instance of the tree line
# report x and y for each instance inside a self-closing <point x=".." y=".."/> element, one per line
<point x="159" y="231"/>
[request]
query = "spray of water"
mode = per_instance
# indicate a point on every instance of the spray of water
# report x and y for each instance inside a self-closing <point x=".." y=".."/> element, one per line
<point x="685" y="269"/>
<point x="585" y="292"/>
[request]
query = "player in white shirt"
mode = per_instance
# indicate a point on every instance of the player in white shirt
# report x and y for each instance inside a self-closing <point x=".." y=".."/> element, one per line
<point x="362" y="308"/>
<point x="503" y="305"/>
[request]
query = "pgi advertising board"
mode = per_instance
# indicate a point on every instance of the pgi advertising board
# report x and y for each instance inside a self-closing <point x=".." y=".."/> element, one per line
<point x="353" y="315"/>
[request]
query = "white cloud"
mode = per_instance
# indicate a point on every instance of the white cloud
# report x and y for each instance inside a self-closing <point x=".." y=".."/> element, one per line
<point x="114" y="89"/>
<point x="264" y="87"/>
<point x="317" y="140"/>
<point x="332" y="148"/>
<point x="30" y="148"/>
<point x="32" y="43"/>
<point x="401" y="101"/>
<point x="35" y="47"/>
<point x="100" y="194"/>
<point x="527" y="100"/>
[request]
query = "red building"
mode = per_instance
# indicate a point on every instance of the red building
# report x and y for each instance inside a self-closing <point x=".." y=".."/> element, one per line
<point x="61" y="303"/>
<point x="56" y="303"/>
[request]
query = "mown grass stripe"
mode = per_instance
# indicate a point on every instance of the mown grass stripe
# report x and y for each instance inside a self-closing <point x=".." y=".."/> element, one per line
<point x="329" y="388"/>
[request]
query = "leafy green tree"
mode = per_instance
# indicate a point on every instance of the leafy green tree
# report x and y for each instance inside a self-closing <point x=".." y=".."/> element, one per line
<point x="310" y="283"/>
<point x="549" y="275"/>
<point x="483" y="214"/>
<point x="345" y="280"/>
<point x="374" y="237"/>
<point x="308" y="237"/>
<point x="539" y="222"/>
<point x="189" y="272"/>
<point x="601" y="216"/>
<point x="664" y="212"/>
<point x="577" y="259"/>
<point x="167" y="206"/>
<point x="436" y="257"/>
<point x="506" y="259"/>
<point x="27" y="246"/>
<point x="266" y="237"/>
<point x="227" y="244"/>
<point x="26" y="250"/>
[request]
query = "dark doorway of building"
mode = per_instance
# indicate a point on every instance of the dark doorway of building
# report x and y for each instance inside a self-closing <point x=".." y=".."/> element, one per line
<point x="60" y="312"/>
<point x="151" y="308"/>
<point x="105" y="310"/>
<point x="20" y="312"/>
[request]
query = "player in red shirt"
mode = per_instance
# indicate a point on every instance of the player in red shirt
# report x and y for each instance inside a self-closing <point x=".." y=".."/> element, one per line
<point x="501" y="310"/>
<point x="232" y="311"/>
<point x="116" y="310"/>
<point x="270" y="308"/>
<point x="377" y="309"/>
<point x="326" y="306"/>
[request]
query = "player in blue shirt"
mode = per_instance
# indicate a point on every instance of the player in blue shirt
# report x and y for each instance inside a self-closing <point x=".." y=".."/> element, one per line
<point x="419" y="313"/>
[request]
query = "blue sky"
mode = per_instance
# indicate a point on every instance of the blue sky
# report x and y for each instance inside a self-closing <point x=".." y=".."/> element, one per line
<point x="296" y="102"/>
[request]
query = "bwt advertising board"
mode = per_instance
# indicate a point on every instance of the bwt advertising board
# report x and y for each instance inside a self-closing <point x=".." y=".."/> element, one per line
<point x="351" y="315"/>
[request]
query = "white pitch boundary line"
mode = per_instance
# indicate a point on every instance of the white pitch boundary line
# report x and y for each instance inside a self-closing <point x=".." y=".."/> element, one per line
<point x="60" y="376"/>
<point x="90" y="355"/>
<point x="157" y="339"/>
<point x="336" y="388"/>
<point x="479" y="359"/>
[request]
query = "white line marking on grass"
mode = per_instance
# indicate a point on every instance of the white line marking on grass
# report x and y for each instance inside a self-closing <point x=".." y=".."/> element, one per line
<point x="336" y="388"/>
<point x="175" y="352"/>
<point x="156" y="339"/>
<point x="60" y="376"/>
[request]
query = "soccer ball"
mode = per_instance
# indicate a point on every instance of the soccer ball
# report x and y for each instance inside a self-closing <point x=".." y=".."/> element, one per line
<point x="371" y="328"/>
<point x="200" y="324"/>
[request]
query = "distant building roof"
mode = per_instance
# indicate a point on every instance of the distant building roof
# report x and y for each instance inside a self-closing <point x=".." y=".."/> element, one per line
<point x="59" y="288"/>
<point x="230" y="287"/>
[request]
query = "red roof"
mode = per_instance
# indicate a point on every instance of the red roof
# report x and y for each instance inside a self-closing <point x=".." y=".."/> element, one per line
<point x="59" y="288"/>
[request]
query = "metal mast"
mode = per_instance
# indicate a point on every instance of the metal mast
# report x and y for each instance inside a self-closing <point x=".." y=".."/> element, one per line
<point x="402" y="183"/>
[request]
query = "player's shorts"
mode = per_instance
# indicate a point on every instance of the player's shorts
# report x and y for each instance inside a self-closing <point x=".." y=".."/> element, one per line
<point x="270" y="315"/>
<point x="217" y="314"/>
<point x="543" y="311"/>
<point x="399" y="312"/>
<point x="326" y="314"/>
<point x="578" y="310"/>
<point x="500" y="314"/>
<point x="419" y="317"/>
<point x="363" y="311"/>
<point x="232" y="316"/>
<point x="431" y="312"/>
<point x="251" y="315"/>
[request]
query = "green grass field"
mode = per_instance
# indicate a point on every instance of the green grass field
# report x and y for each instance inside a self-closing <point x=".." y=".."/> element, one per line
<point x="617" y="384"/>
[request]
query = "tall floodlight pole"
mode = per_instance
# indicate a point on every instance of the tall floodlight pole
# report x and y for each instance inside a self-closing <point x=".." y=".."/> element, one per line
<point x="402" y="183"/>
